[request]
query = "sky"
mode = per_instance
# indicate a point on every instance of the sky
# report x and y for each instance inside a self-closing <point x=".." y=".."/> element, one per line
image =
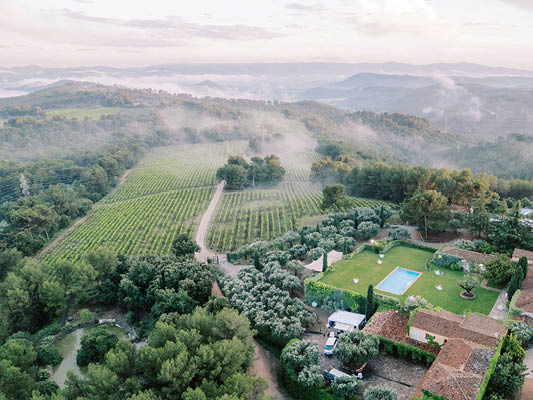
<point x="122" y="33"/>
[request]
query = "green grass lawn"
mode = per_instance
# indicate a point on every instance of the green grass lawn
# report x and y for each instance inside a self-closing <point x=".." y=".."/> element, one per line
<point x="94" y="113"/>
<point x="364" y="267"/>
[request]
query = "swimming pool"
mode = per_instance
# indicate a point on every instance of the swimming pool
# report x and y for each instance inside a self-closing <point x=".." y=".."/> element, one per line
<point x="398" y="281"/>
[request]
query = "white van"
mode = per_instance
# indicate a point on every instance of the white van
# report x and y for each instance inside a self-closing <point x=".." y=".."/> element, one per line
<point x="331" y="343"/>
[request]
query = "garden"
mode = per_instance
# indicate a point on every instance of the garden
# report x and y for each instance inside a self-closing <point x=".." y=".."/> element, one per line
<point x="364" y="269"/>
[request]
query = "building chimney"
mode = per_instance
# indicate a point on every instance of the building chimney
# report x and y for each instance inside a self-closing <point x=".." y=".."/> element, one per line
<point x="461" y="367"/>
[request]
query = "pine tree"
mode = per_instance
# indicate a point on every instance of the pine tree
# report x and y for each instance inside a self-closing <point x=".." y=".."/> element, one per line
<point x="324" y="262"/>
<point x="370" y="302"/>
<point x="257" y="263"/>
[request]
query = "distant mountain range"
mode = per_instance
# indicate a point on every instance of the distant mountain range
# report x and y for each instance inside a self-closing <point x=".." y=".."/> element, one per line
<point x="463" y="98"/>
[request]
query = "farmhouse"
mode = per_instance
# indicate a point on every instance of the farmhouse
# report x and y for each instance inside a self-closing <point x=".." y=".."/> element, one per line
<point x="517" y="253"/>
<point x="444" y="325"/>
<point x="469" y="344"/>
<point x="344" y="321"/>
<point x="458" y="371"/>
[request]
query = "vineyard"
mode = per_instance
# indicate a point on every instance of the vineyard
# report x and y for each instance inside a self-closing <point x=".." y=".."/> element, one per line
<point x="162" y="197"/>
<point x="244" y="217"/>
<point x="263" y="214"/>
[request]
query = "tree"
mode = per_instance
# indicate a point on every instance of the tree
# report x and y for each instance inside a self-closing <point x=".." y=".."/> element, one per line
<point x="333" y="196"/>
<point x="345" y="387"/>
<point x="516" y="281"/>
<point x="385" y="212"/>
<point x="468" y="283"/>
<point x="257" y="263"/>
<point x="356" y="348"/>
<point x="498" y="270"/>
<point x="508" y="377"/>
<point x="479" y="219"/>
<point x="95" y="345"/>
<point x="510" y="233"/>
<point x="455" y="224"/>
<point x="523" y="263"/>
<point x="235" y="176"/>
<point x="371" y="304"/>
<point x="428" y="209"/>
<point x="14" y="383"/>
<point x="398" y="233"/>
<point x="184" y="246"/>
<point x="300" y="359"/>
<point x="314" y="254"/>
<point x="380" y="393"/>
<point x="324" y="262"/>
<point x="367" y="230"/>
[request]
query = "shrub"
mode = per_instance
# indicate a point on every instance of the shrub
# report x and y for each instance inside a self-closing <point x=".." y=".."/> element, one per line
<point x="445" y="260"/>
<point x="47" y="352"/>
<point x="380" y="393"/>
<point x="367" y="229"/>
<point x="499" y="270"/>
<point x="95" y="345"/>
<point x="413" y="302"/>
<point x="356" y="348"/>
<point x="398" y="233"/>
<point x="345" y="387"/>
<point x="456" y="267"/>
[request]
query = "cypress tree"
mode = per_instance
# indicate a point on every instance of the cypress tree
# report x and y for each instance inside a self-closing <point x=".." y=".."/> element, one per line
<point x="523" y="262"/>
<point x="302" y="237"/>
<point x="381" y="217"/>
<point x="257" y="263"/>
<point x="317" y="228"/>
<point x="370" y="302"/>
<point x="324" y="262"/>
<point x="516" y="282"/>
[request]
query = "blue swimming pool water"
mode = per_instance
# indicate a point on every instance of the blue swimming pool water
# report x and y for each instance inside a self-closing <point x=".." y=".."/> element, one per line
<point x="398" y="281"/>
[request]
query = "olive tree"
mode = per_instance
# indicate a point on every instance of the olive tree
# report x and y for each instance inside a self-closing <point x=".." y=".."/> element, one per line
<point x="356" y="348"/>
<point x="367" y="229"/>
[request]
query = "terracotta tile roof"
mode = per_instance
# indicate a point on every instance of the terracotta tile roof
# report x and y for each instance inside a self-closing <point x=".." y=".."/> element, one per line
<point x="476" y="328"/>
<point x="517" y="253"/>
<point x="393" y="325"/>
<point x="472" y="256"/>
<point x="528" y="282"/>
<point x="458" y="371"/>
<point x="459" y="207"/>
<point x="525" y="301"/>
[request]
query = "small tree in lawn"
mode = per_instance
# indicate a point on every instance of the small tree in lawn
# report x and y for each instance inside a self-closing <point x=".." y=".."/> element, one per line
<point x="468" y="283"/>
<point x="356" y="348"/>
<point x="370" y="302"/>
<point x="324" y="262"/>
<point x="184" y="246"/>
<point x="380" y="393"/>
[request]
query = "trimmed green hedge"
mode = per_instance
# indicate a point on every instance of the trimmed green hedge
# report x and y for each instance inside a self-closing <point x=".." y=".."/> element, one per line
<point x="407" y="351"/>
<point x="430" y="396"/>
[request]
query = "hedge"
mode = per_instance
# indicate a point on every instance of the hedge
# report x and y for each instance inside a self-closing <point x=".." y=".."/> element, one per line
<point x="318" y="291"/>
<point x="445" y="260"/>
<point x="431" y="396"/>
<point x="513" y="309"/>
<point x="407" y="243"/>
<point x="288" y="380"/>
<point x="407" y="351"/>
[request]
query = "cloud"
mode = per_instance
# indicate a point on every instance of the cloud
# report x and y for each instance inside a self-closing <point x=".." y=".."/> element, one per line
<point x="388" y="17"/>
<point x="179" y="26"/>
<point x="523" y="4"/>
<point x="305" y="8"/>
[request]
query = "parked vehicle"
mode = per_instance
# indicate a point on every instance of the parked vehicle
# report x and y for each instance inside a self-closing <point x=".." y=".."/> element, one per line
<point x="332" y="374"/>
<point x="331" y="343"/>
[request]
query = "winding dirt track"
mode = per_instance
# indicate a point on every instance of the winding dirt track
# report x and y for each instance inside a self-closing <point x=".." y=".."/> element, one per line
<point x="264" y="365"/>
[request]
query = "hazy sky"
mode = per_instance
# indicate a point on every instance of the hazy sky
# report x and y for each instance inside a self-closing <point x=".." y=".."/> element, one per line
<point x="137" y="33"/>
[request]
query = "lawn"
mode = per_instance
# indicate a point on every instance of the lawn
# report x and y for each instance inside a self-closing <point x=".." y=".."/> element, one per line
<point x="364" y="267"/>
<point x="94" y="113"/>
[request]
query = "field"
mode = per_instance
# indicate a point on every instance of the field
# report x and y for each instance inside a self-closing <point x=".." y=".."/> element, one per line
<point x="94" y="113"/>
<point x="364" y="267"/>
<point x="162" y="197"/>
<point x="262" y="214"/>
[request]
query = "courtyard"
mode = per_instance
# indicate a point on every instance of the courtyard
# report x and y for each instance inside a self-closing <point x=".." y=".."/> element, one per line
<point x="364" y="269"/>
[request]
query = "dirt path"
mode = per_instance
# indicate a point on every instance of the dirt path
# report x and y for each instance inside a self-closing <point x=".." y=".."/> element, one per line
<point x="266" y="365"/>
<point x="50" y="245"/>
<point x="203" y="227"/>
